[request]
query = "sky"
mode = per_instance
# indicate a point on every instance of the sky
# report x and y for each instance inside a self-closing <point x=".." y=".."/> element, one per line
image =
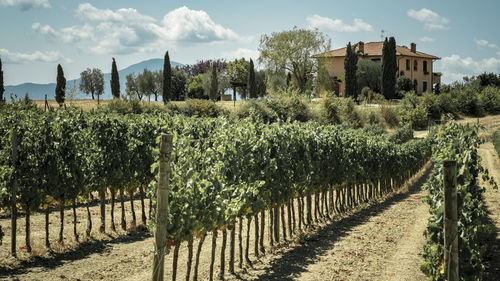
<point x="36" y="35"/>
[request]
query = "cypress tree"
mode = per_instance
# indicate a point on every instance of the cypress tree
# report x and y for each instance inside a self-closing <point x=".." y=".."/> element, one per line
<point x="213" y="84"/>
<point x="167" y="79"/>
<point x="350" y="67"/>
<point x="389" y="68"/>
<point x="2" y="89"/>
<point x="252" y="89"/>
<point x="115" y="81"/>
<point x="60" y="86"/>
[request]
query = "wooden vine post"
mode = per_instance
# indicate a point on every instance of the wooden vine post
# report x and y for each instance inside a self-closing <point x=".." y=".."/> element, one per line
<point x="13" y="209"/>
<point x="162" y="206"/>
<point x="450" y="220"/>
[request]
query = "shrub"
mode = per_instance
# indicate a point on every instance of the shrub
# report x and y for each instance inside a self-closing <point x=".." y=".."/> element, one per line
<point x="289" y="105"/>
<point x="349" y="113"/>
<point x="390" y="115"/>
<point x="124" y="106"/>
<point x="378" y="98"/>
<point x="257" y="108"/>
<point x="330" y="109"/>
<point x="467" y="101"/>
<point x="201" y="108"/>
<point x="489" y="99"/>
<point x="373" y="117"/>
<point x="366" y="94"/>
<point x="413" y="112"/>
<point x="403" y="85"/>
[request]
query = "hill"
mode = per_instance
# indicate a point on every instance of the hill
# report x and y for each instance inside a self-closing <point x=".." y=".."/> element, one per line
<point x="38" y="91"/>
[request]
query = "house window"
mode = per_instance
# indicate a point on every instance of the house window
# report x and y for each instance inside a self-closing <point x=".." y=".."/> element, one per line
<point x="415" y="85"/>
<point x="415" y="64"/>
<point x="407" y="64"/>
<point x="375" y="59"/>
<point x="425" y="67"/>
<point x="424" y="86"/>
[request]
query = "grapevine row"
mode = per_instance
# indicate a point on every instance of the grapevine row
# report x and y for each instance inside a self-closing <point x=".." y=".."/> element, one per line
<point x="222" y="170"/>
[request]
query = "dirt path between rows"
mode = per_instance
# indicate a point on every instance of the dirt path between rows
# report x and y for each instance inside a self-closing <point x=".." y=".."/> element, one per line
<point x="491" y="161"/>
<point x="381" y="242"/>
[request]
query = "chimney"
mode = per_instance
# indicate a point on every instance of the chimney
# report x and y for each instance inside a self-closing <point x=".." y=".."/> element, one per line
<point x="361" y="47"/>
<point x="413" y="47"/>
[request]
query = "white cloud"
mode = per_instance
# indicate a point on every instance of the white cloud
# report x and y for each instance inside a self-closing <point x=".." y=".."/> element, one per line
<point x="427" y="39"/>
<point x="44" y="29"/>
<point x="430" y="19"/>
<point x="183" y="24"/>
<point x="129" y="15"/>
<point x="329" y="24"/>
<point x="37" y="56"/>
<point x="455" y="67"/>
<point x="25" y="5"/>
<point x="128" y="31"/>
<point x="71" y="34"/>
<point x="242" y="53"/>
<point x="485" y="43"/>
<point x="498" y="53"/>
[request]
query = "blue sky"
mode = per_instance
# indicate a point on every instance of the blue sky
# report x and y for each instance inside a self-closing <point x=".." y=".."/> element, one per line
<point x="39" y="34"/>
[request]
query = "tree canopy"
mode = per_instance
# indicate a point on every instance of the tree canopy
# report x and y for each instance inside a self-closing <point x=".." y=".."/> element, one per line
<point x="167" y="79"/>
<point x="115" y="81"/>
<point x="369" y="74"/>
<point x="92" y="82"/>
<point x="389" y="68"/>
<point x="60" y="85"/>
<point x="350" y="66"/>
<point x="2" y="89"/>
<point x="292" y="50"/>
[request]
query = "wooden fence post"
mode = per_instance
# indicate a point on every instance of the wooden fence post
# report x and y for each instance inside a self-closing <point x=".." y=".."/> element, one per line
<point x="13" y="208"/>
<point x="450" y="220"/>
<point x="162" y="206"/>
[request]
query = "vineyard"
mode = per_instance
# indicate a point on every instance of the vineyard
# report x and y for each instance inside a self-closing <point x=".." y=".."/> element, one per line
<point x="222" y="170"/>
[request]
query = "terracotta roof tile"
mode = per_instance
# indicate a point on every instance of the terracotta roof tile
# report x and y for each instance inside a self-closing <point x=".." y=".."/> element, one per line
<point x="375" y="49"/>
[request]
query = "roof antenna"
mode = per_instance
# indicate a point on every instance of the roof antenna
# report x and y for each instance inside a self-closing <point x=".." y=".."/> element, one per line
<point x="382" y="35"/>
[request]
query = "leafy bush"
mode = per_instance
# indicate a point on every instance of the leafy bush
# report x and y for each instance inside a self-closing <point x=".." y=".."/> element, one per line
<point x="289" y="105"/>
<point x="373" y="117"/>
<point x="349" y="113"/>
<point x="124" y="106"/>
<point x="378" y="98"/>
<point x="413" y="112"/>
<point x="201" y="108"/>
<point x="489" y="99"/>
<point x="390" y="115"/>
<point x="403" y="85"/>
<point x="257" y="108"/>
<point x="366" y="94"/>
<point x="330" y="109"/>
<point x="467" y="101"/>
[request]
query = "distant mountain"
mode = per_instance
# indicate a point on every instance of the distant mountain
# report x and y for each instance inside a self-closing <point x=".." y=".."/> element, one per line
<point x="38" y="91"/>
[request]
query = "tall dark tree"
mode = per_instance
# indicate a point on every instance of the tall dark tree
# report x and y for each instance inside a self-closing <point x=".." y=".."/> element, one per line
<point x="351" y="66"/>
<point x="389" y="68"/>
<point x="115" y="81"/>
<point x="167" y="79"/>
<point x="214" y="87"/>
<point x="60" y="86"/>
<point x="2" y="89"/>
<point x="252" y="87"/>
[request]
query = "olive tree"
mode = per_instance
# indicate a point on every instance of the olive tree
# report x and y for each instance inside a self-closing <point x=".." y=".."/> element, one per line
<point x="292" y="51"/>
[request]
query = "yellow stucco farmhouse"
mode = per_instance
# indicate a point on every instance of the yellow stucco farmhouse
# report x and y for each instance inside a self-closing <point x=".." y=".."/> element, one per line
<point x="416" y="65"/>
